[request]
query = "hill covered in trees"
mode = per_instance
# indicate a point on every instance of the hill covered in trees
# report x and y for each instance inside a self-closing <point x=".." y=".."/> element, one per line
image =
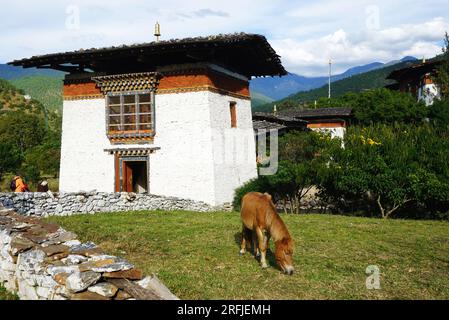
<point x="356" y="83"/>
<point x="30" y="137"/>
<point x="47" y="90"/>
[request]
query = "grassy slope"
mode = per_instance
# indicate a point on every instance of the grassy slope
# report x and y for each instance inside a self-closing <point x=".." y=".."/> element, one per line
<point x="196" y="255"/>
<point x="47" y="90"/>
<point x="258" y="99"/>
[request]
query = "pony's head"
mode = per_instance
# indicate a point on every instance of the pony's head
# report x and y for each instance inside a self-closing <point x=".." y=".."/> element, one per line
<point x="284" y="255"/>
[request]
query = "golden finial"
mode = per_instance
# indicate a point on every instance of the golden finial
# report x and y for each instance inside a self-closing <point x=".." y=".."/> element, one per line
<point x="157" y="31"/>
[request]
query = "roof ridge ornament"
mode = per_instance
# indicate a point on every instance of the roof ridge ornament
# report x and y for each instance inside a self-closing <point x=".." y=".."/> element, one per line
<point x="157" y="31"/>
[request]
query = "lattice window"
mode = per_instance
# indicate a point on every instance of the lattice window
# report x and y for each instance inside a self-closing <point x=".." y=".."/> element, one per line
<point x="129" y="113"/>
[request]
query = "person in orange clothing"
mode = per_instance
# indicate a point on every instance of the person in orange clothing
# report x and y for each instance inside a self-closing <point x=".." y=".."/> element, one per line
<point x="19" y="184"/>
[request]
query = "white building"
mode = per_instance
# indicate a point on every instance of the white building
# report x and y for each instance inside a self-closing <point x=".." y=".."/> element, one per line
<point x="170" y="118"/>
<point x="418" y="80"/>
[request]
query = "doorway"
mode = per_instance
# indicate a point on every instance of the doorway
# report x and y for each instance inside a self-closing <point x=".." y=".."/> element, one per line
<point x="135" y="176"/>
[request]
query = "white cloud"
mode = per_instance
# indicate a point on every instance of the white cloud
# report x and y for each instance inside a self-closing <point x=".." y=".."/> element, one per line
<point x="310" y="57"/>
<point x="304" y="33"/>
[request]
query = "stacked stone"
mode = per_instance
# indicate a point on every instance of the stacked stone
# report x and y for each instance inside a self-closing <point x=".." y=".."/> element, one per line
<point x="64" y="204"/>
<point x="42" y="261"/>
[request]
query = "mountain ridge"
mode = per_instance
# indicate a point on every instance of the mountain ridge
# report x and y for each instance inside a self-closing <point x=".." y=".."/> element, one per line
<point x="278" y="88"/>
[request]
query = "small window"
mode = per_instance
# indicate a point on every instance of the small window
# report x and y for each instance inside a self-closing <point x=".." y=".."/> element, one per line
<point x="232" y="108"/>
<point x="129" y="113"/>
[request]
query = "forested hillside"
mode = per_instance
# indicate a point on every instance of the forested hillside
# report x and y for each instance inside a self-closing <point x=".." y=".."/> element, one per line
<point x="48" y="90"/>
<point x="29" y="138"/>
<point x="357" y="83"/>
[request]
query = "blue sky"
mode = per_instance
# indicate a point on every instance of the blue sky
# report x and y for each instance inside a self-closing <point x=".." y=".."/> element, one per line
<point x="305" y="33"/>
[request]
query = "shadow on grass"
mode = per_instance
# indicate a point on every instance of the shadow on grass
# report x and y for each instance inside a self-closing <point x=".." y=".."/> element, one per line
<point x="271" y="260"/>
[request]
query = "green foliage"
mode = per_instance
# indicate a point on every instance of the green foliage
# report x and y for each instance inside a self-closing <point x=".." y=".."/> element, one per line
<point x="258" y="100"/>
<point x="254" y="185"/>
<point x="47" y="90"/>
<point x="30" y="141"/>
<point x="442" y="76"/>
<point x="21" y="129"/>
<point x="379" y="106"/>
<point x="358" y="83"/>
<point x="302" y="158"/>
<point x="391" y="166"/>
<point x="439" y="113"/>
<point x="385" y="106"/>
<point x="9" y="158"/>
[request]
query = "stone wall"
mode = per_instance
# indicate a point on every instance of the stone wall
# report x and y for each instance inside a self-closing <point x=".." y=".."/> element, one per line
<point x="42" y="261"/>
<point x="62" y="204"/>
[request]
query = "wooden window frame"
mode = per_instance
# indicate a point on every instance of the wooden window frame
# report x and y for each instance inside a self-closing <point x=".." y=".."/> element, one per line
<point x="121" y="126"/>
<point x="233" y="112"/>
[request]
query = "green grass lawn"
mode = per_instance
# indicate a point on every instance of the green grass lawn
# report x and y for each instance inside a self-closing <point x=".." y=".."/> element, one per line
<point x="197" y="255"/>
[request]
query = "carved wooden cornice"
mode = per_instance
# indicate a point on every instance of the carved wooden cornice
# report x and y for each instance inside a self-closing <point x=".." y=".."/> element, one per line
<point x="128" y="82"/>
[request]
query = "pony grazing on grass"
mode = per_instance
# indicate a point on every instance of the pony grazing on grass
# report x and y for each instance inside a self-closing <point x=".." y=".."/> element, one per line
<point x="260" y="222"/>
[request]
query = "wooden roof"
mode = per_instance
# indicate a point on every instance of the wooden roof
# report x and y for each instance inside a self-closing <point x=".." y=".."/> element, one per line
<point x="246" y="54"/>
<point x="262" y="120"/>
<point x="414" y="71"/>
<point x="320" y="113"/>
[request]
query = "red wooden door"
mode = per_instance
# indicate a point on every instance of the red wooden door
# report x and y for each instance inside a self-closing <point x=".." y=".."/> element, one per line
<point x="127" y="177"/>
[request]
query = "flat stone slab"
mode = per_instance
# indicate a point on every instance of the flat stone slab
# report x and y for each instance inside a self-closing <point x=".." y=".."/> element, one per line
<point x="62" y="237"/>
<point x="19" y="244"/>
<point x="54" y="270"/>
<point x="5" y="220"/>
<point x="131" y="274"/>
<point x="54" y="249"/>
<point x="87" y="295"/>
<point x="104" y="289"/>
<point x="88" y="249"/>
<point x="74" y="259"/>
<point x="80" y="281"/>
<point x="90" y="265"/>
<point x="122" y="295"/>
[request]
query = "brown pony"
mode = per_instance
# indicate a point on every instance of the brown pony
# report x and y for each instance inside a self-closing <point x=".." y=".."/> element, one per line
<point x="260" y="219"/>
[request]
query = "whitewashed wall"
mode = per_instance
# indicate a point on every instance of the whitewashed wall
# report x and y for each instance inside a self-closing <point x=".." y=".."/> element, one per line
<point x="200" y="157"/>
<point x="183" y="166"/>
<point x="234" y="148"/>
<point x="84" y="164"/>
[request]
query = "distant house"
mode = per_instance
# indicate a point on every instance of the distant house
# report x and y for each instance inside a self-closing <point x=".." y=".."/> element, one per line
<point x="283" y="124"/>
<point x="417" y="80"/>
<point x="332" y="120"/>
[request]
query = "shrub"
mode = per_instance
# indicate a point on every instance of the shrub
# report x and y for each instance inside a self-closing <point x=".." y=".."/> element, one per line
<point x="254" y="185"/>
<point x="391" y="166"/>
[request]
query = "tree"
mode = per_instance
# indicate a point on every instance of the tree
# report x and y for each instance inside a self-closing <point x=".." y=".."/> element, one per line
<point x="302" y="155"/>
<point x="391" y="166"/>
<point x="9" y="158"/>
<point x="442" y="74"/>
<point x="439" y="113"/>
<point x="22" y="129"/>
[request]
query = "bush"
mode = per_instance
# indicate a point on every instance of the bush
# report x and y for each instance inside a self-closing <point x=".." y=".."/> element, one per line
<point x="254" y="185"/>
<point x="302" y="157"/>
<point x="439" y="113"/>
<point x="391" y="167"/>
